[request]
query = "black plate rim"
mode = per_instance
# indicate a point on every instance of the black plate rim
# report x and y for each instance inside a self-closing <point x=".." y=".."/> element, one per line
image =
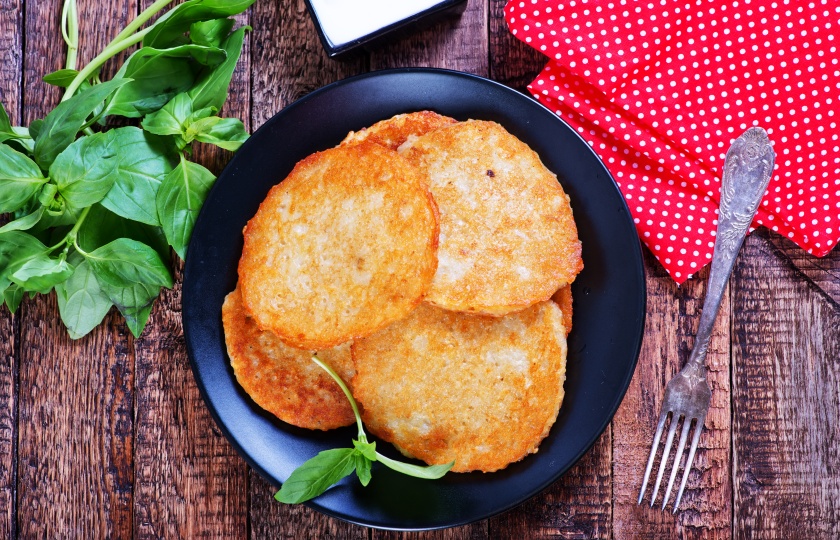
<point x="639" y="281"/>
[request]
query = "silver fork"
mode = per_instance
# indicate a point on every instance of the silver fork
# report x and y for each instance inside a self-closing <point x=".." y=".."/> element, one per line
<point x="746" y="173"/>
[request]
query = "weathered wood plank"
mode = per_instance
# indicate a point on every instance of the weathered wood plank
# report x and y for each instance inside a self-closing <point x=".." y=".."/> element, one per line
<point x="271" y="519"/>
<point x="705" y="512"/>
<point x="75" y="400"/>
<point x="11" y="71"/>
<point x="512" y="62"/>
<point x="786" y="399"/>
<point x="190" y="482"/>
<point x="579" y="505"/>
<point x="288" y="62"/>
<point x="8" y="422"/>
<point x="454" y="41"/>
<point x="823" y="272"/>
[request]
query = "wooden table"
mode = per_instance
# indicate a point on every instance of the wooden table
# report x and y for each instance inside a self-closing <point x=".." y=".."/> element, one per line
<point x="108" y="436"/>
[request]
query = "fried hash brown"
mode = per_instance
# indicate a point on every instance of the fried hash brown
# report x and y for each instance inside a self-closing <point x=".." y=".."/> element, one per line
<point x="507" y="234"/>
<point x="284" y="380"/>
<point x="483" y="391"/>
<point x="399" y="129"/>
<point x="345" y="245"/>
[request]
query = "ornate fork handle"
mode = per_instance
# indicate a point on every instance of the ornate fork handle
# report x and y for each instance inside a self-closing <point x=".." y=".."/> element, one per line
<point x="747" y="170"/>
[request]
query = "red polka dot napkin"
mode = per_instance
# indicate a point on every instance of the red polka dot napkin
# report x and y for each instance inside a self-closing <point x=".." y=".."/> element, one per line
<point x="661" y="88"/>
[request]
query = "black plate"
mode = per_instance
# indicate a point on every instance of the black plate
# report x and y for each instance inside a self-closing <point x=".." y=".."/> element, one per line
<point x="609" y="296"/>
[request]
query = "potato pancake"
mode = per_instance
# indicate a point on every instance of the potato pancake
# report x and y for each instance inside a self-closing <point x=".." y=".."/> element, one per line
<point x="563" y="299"/>
<point x="284" y="380"/>
<point x="507" y="234"/>
<point x="399" y="129"/>
<point x="345" y="245"/>
<point x="483" y="391"/>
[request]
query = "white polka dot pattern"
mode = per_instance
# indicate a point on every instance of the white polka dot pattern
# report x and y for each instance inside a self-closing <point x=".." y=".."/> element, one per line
<point x="661" y="88"/>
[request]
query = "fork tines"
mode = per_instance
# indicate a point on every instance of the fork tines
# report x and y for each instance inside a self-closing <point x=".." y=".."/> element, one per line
<point x="675" y="420"/>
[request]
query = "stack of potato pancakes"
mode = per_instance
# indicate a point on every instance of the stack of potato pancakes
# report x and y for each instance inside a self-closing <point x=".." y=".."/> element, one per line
<point x="428" y="262"/>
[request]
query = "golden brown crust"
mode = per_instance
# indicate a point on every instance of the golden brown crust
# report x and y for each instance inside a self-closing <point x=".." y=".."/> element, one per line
<point x="397" y="130"/>
<point x="284" y="380"/>
<point x="345" y="245"/>
<point x="563" y="299"/>
<point x="507" y="234"/>
<point x="481" y="390"/>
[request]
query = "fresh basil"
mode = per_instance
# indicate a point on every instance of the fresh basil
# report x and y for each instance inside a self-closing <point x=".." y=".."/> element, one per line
<point x="95" y="210"/>
<point x="86" y="170"/>
<point x="81" y="302"/>
<point x="41" y="273"/>
<point x="25" y="222"/>
<point x="157" y="75"/>
<point x="124" y="263"/>
<point x="20" y="179"/>
<point x="178" y="201"/>
<point x="142" y="163"/>
<point x="211" y="33"/>
<point x="172" y="26"/>
<point x="63" y="123"/>
<point x="317" y="474"/>
<point x="13" y="296"/>
<point x="227" y="133"/>
<point x="61" y="78"/>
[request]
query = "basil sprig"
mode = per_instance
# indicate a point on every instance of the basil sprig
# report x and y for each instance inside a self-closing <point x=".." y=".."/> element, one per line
<point x="94" y="211"/>
<point x="317" y="474"/>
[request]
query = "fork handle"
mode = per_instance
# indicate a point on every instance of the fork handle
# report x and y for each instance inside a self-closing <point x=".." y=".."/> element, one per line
<point x="746" y="173"/>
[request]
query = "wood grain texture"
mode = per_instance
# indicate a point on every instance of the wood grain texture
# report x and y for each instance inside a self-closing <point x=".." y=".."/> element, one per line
<point x="205" y="493"/>
<point x="786" y="400"/>
<point x="272" y="520"/>
<point x="577" y="506"/>
<point x="8" y="422"/>
<point x="455" y="40"/>
<point x="705" y="511"/>
<point x="512" y="62"/>
<point x="11" y="72"/>
<point x="75" y="406"/>
<point x="288" y="61"/>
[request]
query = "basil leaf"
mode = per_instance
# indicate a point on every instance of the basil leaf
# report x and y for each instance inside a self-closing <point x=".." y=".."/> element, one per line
<point x="19" y="137"/>
<point x="211" y="85"/>
<point x="136" y="318"/>
<point x="101" y="226"/>
<point x="367" y="449"/>
<point x="5" y="123"/>
<point x="430" y="472"/>
<point x="13" y="296"/>
<point x="178" y="20"/>
<point x="61" y="78"/>
<point x="179" y="199"/>
<point x="26" y="222"/>
<point x="227" y="133"/>
<point x="35" y="127"/>
<point x="157" y="75"/>
<point x="170" y="118"/>
<point x="81" y="302"/>
<point x="211" y="33"/>
<point x="20" y="179"/>
<point x="86" y="170"/>
<point x="63" y="123"/>
<point x="316" y="475"/>
<point x="124" y="263"/>
<point x="363" y="466"/>
<point x="41" y="273"/>
<point x="16" y="247"/>
<point x="143" y="163"/>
